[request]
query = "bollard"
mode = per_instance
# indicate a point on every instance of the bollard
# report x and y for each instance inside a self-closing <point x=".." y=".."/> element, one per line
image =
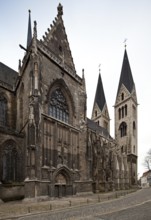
<point x="70" y="203"/>
<point x="116" y="195"/>
<point x="29" y="210"/>
<point x="99" y="199"/>
<point x="50" y="207"/>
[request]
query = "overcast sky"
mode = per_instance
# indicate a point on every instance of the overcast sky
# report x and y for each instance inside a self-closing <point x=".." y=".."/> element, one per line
<point x="96" y="30"/>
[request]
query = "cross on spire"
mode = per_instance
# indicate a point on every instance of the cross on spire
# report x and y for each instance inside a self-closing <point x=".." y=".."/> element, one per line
<point x="125" y="45"/>
<point x="99" y="68"/>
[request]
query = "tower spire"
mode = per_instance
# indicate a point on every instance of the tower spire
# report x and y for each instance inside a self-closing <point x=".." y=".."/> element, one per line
<point x="126" y="77"/>
<point x="29" y="33"/>
<point x="100" y="112"/>
<point x="100" y="96"/>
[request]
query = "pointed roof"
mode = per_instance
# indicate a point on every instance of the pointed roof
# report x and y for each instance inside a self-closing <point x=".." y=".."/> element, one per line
<point x="99" y="95"/>
<point x="56" y="40"/>
<point x="126" y="77"/>
<point x="29" y="33"/>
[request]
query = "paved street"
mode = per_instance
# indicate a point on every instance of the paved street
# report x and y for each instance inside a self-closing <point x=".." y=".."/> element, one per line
<point x="139" y="212"/>
<point x="134" y="206"/>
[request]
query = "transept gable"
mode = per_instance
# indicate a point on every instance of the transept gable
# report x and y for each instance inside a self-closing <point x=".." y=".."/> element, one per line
<point x="57" y="42"/>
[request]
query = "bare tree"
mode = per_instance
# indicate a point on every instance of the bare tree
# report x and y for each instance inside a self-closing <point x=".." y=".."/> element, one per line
<point x="147" y="160"/>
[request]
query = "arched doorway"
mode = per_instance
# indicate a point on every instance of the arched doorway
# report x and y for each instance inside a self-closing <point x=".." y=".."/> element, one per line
<point x="63" y="183"/>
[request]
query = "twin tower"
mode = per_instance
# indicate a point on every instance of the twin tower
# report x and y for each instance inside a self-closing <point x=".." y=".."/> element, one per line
<point x="125" y="109"/>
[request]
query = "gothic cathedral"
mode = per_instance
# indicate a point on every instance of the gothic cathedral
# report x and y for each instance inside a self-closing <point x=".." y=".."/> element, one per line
<point x="48" y="146"/>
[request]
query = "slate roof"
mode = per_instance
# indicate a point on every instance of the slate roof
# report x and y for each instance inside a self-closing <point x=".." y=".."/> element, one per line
<point x="100" y="96"/>
<point x="8" y="75"/>
<point x="126" y="77"/>
<point x="95" y="127"/>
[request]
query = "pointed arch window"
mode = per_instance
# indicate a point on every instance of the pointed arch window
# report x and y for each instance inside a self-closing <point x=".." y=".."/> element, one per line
<point x="122" y="96"/>
<point x="3" y="110"/>
<point x="96" y="113"/>
<point x="119" y="113"/>
<point x="122" y="112"/>
<point x="58" y="107"/>
<point x="122" y="149"/>
<point x="125" y="110"/>
<point x="134" y="128"/>
<point x="134" y="149"/>
<point x="10" y="164"/>
<point x="123" y="129"/>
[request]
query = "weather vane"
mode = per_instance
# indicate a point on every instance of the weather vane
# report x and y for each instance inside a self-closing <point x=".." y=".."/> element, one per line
<point x="125" y="45"/>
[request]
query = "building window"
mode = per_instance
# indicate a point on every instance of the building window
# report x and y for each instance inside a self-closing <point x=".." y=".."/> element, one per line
<point x="122" y="96"/>
<point x="58" y="107"/>
<point x="10" y="164"/>
<point x="134" y="149"/>
<point x="122" y="112"/>
<point x="119" y="113"/>
<point x="3" y="111"/>
<point x="125" y="110"/>
<point x="123" y="129"/>
<point x="105" y="125"/>
<point x="95" y="113"/>
<point x="122" y="149"/>
<point x="134" y="128"/>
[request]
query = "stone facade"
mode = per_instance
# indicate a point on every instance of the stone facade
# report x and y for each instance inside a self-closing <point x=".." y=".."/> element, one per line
<point x="48" y="146"/>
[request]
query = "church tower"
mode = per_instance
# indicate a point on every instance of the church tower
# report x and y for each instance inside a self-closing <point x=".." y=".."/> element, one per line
<point x="126" y="118"/>
<point x="100" y="112"/>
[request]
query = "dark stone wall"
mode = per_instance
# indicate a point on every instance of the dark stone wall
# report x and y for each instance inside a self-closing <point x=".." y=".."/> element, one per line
<point x="11" y="108"/>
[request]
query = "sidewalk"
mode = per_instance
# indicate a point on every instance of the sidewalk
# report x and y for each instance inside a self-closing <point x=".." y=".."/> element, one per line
<point x="28" y="206"/>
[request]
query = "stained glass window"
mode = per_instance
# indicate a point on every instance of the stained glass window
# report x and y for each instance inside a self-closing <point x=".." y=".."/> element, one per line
<point x="58" y="107"/>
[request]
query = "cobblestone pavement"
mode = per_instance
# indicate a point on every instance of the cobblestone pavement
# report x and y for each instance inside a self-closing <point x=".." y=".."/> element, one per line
<point x="78" y="209"/>
<point x="139" y="212"/>
<point x="94" y="211"/>
<point x="45" y="204"/>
